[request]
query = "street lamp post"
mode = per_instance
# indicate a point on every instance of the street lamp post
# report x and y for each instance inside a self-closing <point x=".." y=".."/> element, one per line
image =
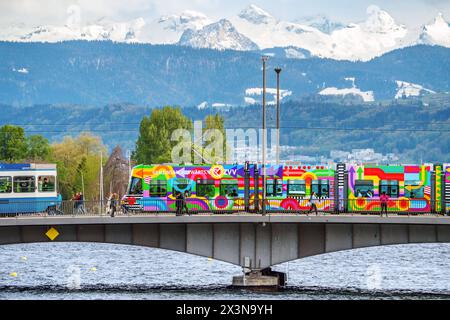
<point x="101" y="183"/>
<point x="278" y="70"/>
<point x="129" y="162"/>
<point x="264" y="138"/>
<point x="82" y="184"/>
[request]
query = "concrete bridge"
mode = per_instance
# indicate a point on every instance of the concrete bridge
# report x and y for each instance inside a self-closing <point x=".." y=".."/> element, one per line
<point x="254" y="242"/>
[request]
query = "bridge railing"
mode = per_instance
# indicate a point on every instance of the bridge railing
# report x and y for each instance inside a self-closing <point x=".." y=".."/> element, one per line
<point x="395" y="206"/>
<point x="219" y="206"/>
<point x="48" y="208"/>
<point x="189" y="205"/>
<point x="12" y="208"/>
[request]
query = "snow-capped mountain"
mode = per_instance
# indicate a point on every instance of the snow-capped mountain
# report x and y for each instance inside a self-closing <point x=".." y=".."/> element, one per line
<point x="362" y="41"/>
<point x="186" y="20"/>
<point x="437" y="33"/>
<point x="169" y="29"/>
<point x="100" y="30"/>
<point x="251" y="29"/>
<point x="256" y="15"/>
<point x="220" y="35"/>
<point x="321" y="22"/>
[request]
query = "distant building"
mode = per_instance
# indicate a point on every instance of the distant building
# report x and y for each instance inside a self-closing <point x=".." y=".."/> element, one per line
<point x="362" y="155"/>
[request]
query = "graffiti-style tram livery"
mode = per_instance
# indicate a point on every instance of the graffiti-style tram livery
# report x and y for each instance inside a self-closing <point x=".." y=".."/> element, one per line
<point x="340" y="188"/>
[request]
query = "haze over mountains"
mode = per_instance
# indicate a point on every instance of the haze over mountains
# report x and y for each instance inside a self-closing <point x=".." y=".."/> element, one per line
<point x="252" y="29"/>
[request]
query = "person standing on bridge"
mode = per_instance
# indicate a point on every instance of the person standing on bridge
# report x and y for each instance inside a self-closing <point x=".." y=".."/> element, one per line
<point x="178" y="202"/>
<point x="384" y="198"/>
<point x="113" y="204"/>
<point x="76" y="202"/>
<point x="185" y="207"/>
<point x="312" y="203"/>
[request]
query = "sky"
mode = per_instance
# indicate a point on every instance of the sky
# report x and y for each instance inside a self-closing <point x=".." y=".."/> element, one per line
<point x="412" y="13"/>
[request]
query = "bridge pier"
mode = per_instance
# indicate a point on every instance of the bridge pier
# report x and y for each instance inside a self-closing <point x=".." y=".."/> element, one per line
<point x="260" y="280"/>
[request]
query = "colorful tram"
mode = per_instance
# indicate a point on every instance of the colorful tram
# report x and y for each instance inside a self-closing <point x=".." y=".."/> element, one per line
<point x="28" y="188"/>
<point x="339" y="188"/>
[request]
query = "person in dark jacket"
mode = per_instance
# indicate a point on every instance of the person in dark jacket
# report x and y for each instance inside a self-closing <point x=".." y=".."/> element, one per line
<point x="185" y="207"/>
<point x="384" y="198"/>
<point x="178" y="203"/>
<point x="313" y="203"/>
<point x="81" y="203"/>
<point x="113" y="204"/>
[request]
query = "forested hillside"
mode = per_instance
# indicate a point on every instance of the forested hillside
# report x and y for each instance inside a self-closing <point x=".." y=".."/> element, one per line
<point x="414" y="129"/>
<point x="101" y="72"/>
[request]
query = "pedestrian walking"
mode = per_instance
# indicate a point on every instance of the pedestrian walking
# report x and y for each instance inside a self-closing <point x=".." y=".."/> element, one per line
<point x="76" y="202"/>
<point x="113" y="204"/>
<point x="81" y="203"/>
<point x="384" y="198"/>
<point x="108" y="204"/>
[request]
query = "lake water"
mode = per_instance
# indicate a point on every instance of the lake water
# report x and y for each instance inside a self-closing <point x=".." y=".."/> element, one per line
<point x="106" y="271"/>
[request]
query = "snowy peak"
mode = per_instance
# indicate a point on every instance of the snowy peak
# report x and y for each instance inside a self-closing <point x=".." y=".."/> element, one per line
<point x="363" y="41"/>
<point x="219" y="35"/>
<point x="436" y="33"/>
<point x="256" y="15"/>
<point x="251" y="29"/>
<point x="321" y="22"/>
<point x="186" y="20"/>
<point x="379" y="21"/>
<point x="116" y="31"/>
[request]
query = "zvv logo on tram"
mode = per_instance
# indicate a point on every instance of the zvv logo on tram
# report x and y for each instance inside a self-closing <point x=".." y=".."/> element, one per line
<point x="217" y="171"/>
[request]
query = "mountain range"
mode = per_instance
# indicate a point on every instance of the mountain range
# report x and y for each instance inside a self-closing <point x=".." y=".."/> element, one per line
<point x="251" y="29"/>
<point x="97" y="73"/>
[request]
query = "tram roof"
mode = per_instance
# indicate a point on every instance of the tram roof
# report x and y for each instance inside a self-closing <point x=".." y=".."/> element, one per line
<point x="27" y="166"/>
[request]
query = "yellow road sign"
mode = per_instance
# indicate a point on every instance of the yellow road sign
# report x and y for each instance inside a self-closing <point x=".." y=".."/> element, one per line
<point x="52" y="233"/>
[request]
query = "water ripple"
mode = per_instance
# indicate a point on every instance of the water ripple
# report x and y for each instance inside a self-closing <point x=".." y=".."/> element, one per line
<point x="105" y="271"/>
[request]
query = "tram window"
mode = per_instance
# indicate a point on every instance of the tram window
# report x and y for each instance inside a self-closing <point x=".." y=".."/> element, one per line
<point x="46" y="183"/>
<point x="390" y="187"/>
<point x="274" y="188"/>
<point x="182" y="185"/>
<point x="413" y="190"/>
<point x="5" y="184"/>
<point x="205" y="188"/>
<point x="296" y="188"/>
<point x="136" y="186"/>
<point x="157" y="188"/>
<point x="321" y="188"/>
<point x="364" y="188"/>
<point x="229" y="188"/>
<point x="24" y="184"/>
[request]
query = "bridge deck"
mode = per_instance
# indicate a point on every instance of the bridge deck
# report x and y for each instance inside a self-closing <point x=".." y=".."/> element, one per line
<point x="215" y="218"/>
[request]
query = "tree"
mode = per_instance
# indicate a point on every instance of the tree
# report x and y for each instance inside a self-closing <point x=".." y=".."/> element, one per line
<point x="116" y="172"/>
<point x="154" y="143"/>
<point x="214" y="133"/>
<point x="38" y="148"/>
<point x="79" y="157"/>
<point x="12" y="143"/>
